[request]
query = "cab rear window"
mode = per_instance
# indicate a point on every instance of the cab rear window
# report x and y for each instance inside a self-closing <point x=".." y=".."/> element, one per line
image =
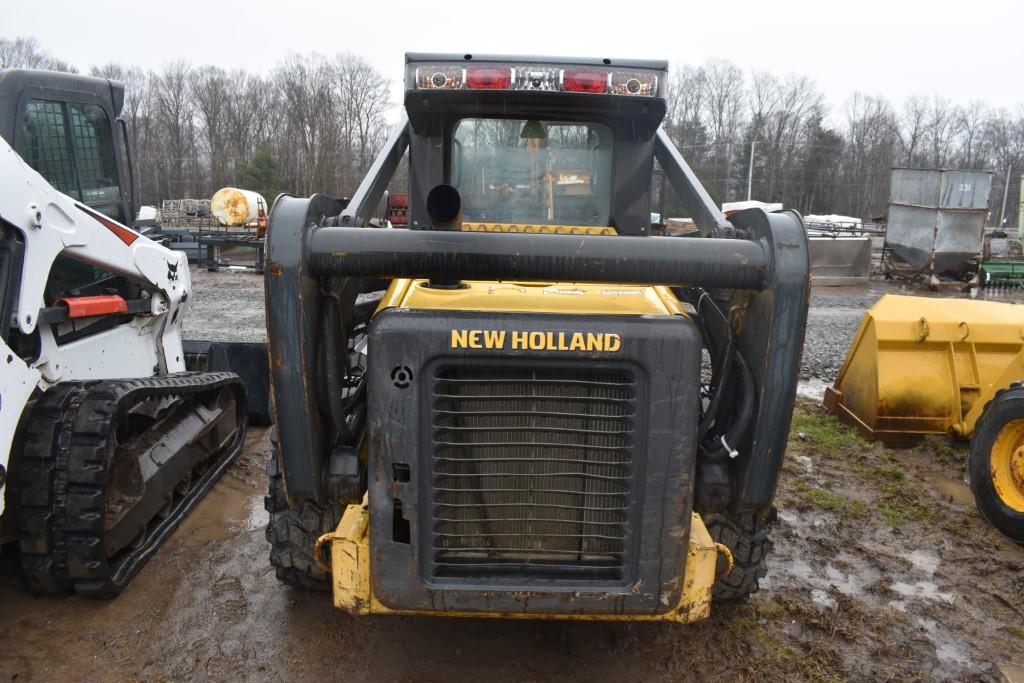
<point x="533" y="171"/>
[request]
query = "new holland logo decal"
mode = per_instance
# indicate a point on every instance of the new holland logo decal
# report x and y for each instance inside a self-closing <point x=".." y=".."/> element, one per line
<point x="501" y="340"/>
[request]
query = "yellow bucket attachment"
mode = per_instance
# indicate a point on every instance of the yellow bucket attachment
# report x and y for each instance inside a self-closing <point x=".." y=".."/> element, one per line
<point x="927" y="366"/>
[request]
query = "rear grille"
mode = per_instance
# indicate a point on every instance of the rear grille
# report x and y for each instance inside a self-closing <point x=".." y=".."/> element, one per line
<point x="532" y="472"/>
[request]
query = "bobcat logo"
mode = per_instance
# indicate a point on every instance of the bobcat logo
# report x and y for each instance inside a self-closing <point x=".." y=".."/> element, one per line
<point x="172" y="271"/>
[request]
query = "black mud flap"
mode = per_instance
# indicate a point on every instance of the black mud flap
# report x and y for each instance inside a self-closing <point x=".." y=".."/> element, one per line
<point x="248" y="360"/>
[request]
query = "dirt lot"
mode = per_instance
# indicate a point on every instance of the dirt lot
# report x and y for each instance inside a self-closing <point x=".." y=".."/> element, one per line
<point x="882" y="570"/>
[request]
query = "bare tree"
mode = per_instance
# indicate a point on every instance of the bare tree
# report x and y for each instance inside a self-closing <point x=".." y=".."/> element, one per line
<point x="912" y="128"/>
<point x="27" y="53"/>
<point x="870" y="142"/>
<point x="173" y="112"/>
<point x="211" y="89"/>
<point x="363" y="96"/>
<point x="724" y="111"/>
<point x="317" y="122"/>
<point x="969" y="127"/>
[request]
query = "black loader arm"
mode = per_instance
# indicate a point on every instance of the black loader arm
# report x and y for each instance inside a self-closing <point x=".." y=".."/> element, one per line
<point x="771" y="338"/>
<point x="292" y="310"/>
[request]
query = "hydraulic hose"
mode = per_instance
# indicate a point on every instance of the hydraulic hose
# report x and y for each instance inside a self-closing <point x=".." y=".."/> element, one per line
<point x="725" y="444"/>
<point x="346" y="413"/>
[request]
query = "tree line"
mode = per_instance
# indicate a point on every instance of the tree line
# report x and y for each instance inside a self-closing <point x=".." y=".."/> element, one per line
<point x="314" y="124"/>
<point x="821" y="161"/>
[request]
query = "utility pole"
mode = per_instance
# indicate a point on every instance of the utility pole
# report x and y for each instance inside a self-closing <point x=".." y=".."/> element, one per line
<point x="750" y="170"/>
<point x="1006" y="191"/>
<point x="1020" y="209"/>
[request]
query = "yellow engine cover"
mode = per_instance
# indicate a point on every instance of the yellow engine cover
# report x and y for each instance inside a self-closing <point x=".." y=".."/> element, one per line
<point x="927" y="366"/>
<point x="535" y="297"/>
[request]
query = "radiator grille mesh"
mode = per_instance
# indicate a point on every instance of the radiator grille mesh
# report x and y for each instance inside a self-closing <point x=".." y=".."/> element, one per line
<point x="532" y="472"/>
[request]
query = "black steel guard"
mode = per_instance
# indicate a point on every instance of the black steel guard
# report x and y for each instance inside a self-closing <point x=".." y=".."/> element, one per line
<point x="379" y="252"/>
<point x="767" y="275"/>
<point x="771" y="339"/>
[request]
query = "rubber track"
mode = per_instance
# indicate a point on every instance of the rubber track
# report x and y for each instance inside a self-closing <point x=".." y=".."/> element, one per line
<point x="62" y="477"/>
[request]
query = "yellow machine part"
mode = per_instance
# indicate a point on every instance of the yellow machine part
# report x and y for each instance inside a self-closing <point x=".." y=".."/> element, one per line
<point x="353" y="585"/>
<point x="540" y="229"/>
<point x="927" y="366"/>
<point x="535" y="297"/>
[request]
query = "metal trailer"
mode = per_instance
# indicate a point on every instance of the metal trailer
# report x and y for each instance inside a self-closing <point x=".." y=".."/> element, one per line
<point x="936" y="219"/>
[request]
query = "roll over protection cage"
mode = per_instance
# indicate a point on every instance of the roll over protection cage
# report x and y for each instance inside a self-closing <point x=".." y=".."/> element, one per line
<point x="758" y="263"/>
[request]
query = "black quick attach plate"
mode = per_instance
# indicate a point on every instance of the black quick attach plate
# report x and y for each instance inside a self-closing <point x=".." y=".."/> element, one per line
<point x="531" y="463"/>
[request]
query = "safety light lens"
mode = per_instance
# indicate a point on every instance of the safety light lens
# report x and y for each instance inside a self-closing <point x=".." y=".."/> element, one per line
<point x="489" y="77"/>
<point x="533" y="77"/>
<point x="537" y="78"/>
<point x="439" y="77"/>
<point x="634" y="83"/>
<point x="580" y="80"/>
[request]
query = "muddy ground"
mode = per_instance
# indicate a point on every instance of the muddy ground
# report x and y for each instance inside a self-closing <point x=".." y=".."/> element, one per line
<point x="882" y="570"/>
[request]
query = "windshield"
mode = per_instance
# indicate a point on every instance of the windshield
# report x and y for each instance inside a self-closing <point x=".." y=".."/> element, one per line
<point x="533" y="172"/>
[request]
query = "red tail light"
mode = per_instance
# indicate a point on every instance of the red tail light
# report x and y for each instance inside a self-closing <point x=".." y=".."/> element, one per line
<point x="489" y="77"/>
<point x="580" y="80"/>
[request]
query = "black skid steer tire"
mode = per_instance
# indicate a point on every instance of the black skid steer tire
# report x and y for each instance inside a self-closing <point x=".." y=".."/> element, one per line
<point x="1005" y="412"/>
<point x="293" y="532"/>
<point x="746" y="536"/>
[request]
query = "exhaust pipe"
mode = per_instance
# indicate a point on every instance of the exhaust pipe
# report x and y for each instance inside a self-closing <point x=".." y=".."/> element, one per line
<point x="444" y="206"/>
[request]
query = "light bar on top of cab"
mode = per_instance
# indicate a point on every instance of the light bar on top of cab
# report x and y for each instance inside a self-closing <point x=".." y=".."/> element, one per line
<point x="535" y="77"/>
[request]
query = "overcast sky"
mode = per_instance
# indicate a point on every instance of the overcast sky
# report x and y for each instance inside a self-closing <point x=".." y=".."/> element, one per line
<point x="960" y="49"/>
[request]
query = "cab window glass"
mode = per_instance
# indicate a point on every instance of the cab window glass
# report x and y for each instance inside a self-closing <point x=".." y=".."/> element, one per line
<point x="46" y="145"/>
<point x="533" y="171"/>
<point x="94" y="153"/>
<point x="71" y="145"/>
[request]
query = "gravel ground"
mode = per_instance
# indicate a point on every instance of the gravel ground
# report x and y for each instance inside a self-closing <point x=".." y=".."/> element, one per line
<point x="832" y="323"/>
<point x="226" y="306"/>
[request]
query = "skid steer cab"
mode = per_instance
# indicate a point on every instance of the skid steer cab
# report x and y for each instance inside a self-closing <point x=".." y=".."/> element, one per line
<point x="500" y="410"/>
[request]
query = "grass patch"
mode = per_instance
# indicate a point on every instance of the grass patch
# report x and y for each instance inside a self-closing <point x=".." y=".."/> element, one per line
<point x="832" y="501"/>
<point x="811" y="664"/>
<point x="742" y="627"/>
<point x="944" y="450"/>
<point x="824" y="431"/>
<point x="899" y="500"/>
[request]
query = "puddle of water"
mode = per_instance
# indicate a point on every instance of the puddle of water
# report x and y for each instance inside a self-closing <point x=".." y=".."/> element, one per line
<point x="258" y="515"/>
<point x="229" y="507"/>
<point x="945" y="650"/>
<point x="925" y="590"/>
<point x="822" y="578"/>
<point x="812" y="388"/>
<point x="924" y="561"/>
<point x="789" y="516"/>
<point x="1012" y="674"/>
<point x="822" y="598"/>
<point x="954" y="490"/>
